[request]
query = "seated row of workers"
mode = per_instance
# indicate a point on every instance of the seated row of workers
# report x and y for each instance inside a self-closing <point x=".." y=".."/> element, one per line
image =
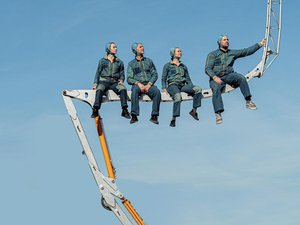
<point x="142" y="75"/>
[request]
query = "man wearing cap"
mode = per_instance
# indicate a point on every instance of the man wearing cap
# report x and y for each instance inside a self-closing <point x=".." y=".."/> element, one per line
<point x="110" y="76"/>
<point x="219" y="68"/>
<point x="142" y="75"/>
<point x="176" y="79"/>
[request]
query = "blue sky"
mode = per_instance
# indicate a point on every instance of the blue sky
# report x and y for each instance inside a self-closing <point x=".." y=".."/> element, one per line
<point x="245" y="171"/>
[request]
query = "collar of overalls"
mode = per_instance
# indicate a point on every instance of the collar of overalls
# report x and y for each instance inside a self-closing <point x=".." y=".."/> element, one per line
<point x="115" y="58"/>
<point x="224" y="50"/>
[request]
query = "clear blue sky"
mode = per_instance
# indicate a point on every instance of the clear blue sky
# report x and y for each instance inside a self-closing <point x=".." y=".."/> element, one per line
<point x="245" y="171"/>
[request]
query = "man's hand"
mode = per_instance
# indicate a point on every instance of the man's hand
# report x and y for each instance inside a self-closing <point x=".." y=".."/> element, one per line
<point x="263" y="42"/>
<point x="217" y="80"/>
<point x="147" y="87"/>
<point x="142" y="87"/>
<point x="94" y="87"/>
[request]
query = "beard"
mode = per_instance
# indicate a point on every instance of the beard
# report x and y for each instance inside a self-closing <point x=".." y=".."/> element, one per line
<point x="225" y="47"/>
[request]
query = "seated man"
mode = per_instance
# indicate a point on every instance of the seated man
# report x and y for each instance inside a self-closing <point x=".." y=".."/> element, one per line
<point x="219" y="68"/>
<point x="141" y="74"/>
<point x="176" y="79"/>
<point x="110" y="76"/>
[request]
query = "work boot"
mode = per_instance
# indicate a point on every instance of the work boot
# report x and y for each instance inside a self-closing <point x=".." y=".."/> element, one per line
<point x="125" y="113"/>
<point x="95" y="113"/>
<point x="173" y="123"/>
<point x="194" y="114"/>
<point x="154" y="119"/>
<point x="250" y="105"/>
<point x="134" y="119"/>
<point x="219" y="119"/>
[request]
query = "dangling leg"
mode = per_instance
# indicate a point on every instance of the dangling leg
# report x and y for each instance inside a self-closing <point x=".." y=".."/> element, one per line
<point x="240" y="81"/>
<point x="101" y="88"/>
<point x="155" y="95"/>
<point x="174" y="91"/>
<point x="135" y="107"/>
<point x="122" y="91"/>
<point x="176" y="108"/>
<point x="194" y="91"/>
<point x="217" y="100"/>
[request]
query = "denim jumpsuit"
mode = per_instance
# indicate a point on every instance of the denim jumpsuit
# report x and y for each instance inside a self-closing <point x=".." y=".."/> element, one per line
<point x="220" y="63"/>
<point x="176" y="79"/>
<point x="107" y="77"/>
<point x="143" y="71"/>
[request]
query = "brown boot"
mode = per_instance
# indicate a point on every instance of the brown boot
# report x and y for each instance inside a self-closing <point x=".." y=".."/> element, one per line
<point x="154" y="119"/>
<point x="125" y="114"/>
<point x="194" y="114"/>
<point x="134" y="119"/>
<point x="173" y="123"/>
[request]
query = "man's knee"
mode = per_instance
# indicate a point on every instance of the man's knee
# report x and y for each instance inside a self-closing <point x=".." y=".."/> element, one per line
<point x="243" y="79"/>
<point x="239" y="77"/>
<point x="121" y="87"/>
<point x="101" y="87"/>
<point x="157" y="91"/>
<point x="177" y="97"/>
<point x="135" y="88"/>
<point x="197" y="89"/>
<point x="135" y="92"/>
<point x="154" y="91"/>
<point x="216" y="89"/>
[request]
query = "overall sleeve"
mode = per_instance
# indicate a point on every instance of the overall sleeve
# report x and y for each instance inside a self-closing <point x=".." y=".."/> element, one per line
<point x="164" y="77"/>
<point x="98" y="73"/>
<point x="246" y="51"/>
<point x="153" y="73"/>
<point x="209" y="65"/>
<point x="122" y="73"/>
<point x="130" y="75"/>
<point x="187" y="75"/>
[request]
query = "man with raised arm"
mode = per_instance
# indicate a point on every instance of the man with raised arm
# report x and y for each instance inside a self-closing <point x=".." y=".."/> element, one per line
<point x="142" y="75"/>
<point x="219" y="68"/>
<point x="110" y="76"/>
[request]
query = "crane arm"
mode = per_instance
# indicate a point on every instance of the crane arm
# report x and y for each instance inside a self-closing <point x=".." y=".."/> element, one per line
<point x="106" y="185"/>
